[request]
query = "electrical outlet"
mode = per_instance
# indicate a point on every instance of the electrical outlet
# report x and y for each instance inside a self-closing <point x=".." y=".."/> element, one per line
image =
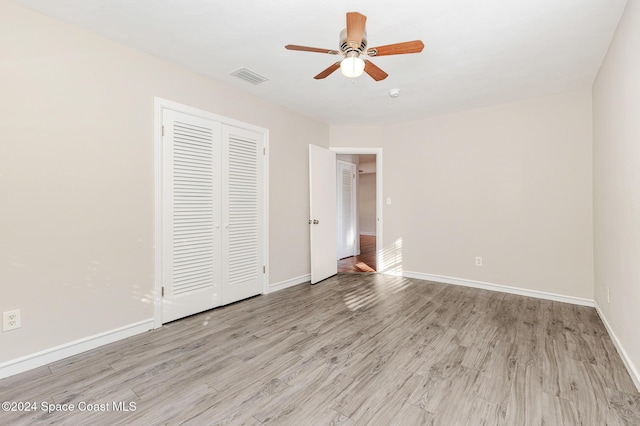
<point x="478" y="261"/>
<point x="10" y="320"/>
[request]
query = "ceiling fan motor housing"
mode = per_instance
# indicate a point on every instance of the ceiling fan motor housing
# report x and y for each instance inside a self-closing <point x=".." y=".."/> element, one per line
<point x="346" y="48"/>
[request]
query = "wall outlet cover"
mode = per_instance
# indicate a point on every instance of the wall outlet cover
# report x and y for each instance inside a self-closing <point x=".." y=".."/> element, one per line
<point x="11" y="320"/>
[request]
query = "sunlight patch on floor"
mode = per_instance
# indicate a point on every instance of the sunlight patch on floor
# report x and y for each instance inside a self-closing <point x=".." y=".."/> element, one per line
<point x="360" y="298"/>
<point x="364" y="267"/>
<point x="399" y="285"/>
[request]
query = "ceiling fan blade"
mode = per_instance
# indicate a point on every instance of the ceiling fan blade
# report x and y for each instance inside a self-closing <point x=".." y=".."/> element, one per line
<point x="311" y="49"/>
<point x="328" y="71"/>
<point x="355" y="28"/>
<point x="415" y="46"/>
<point x="376" y="73"/>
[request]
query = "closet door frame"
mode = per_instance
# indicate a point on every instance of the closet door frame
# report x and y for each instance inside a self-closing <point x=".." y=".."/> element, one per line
<point x="161" y="104"/>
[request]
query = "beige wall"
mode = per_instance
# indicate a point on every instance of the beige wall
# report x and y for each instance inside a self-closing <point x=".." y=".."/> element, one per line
<point x="77" y="177"/>
<point x="510" y="183"/>
<point x="367" y="203"/>
<point x="616" y="184"/>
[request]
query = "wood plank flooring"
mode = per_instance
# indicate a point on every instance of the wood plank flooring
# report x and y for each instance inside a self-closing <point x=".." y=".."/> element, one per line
<point x="365" y="261"/>
<point x="356" y="349"/>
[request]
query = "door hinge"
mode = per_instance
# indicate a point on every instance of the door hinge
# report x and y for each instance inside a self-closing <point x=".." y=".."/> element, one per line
<point x="264" y="151"/>
<point x="162" y="130"/>
<point x="264" y="269"/>
<point x="163" y="291"/>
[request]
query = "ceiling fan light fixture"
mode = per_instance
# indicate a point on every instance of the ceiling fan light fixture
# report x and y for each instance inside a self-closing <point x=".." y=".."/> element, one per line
<point x="352" y="44"/>
<point x="352" y="66"/>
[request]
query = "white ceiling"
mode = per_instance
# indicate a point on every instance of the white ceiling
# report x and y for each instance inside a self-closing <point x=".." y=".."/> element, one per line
<point x="476" y="52"/>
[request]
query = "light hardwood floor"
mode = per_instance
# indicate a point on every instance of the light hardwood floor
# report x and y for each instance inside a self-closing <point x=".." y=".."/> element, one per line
<point x="355" y="349"/>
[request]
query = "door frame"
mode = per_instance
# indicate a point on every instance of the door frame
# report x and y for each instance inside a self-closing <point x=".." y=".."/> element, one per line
<point x="379" y="203"/>
<point x="161" y="104"/>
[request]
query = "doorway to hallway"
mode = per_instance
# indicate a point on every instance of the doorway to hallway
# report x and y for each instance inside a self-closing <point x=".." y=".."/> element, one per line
<point x="360" y="199"/>
<point x="323" y="193"/>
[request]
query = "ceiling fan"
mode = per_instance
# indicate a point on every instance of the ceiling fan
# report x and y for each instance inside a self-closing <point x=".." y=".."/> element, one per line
<point x="353" y="44"/>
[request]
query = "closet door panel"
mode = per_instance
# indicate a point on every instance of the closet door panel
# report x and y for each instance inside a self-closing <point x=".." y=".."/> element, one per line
<point x="346" y="198"/>
<point x="191" y="215"/>
<point x="242" y="195"/>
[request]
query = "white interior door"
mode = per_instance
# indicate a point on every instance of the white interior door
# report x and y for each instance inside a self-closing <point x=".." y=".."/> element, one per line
<point x="242" y="234"/>
<point x="322" y="179"/>
<point x="191" y="215"/>
<point x="346" y="199"/>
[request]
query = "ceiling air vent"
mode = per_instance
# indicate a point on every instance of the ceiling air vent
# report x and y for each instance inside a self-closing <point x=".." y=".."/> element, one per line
<point x="248" y="76"/>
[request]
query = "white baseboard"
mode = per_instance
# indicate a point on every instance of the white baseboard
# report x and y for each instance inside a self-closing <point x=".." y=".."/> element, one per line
<point x="289" y="283"/>
<point x="19" y="365"/>
<point x="371" y="234"/>
<point x="631" y="368"/>
<point x="501" y="288"/>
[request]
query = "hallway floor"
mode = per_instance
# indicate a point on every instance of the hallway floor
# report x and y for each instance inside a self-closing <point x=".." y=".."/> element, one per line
<point x="365" y="261"/>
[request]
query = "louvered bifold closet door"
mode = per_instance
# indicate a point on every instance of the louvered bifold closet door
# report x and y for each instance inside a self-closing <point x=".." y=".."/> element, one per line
<point x="346" y="209"/>
<point x="191" y="215"/>
<point x="242" y="193"/>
